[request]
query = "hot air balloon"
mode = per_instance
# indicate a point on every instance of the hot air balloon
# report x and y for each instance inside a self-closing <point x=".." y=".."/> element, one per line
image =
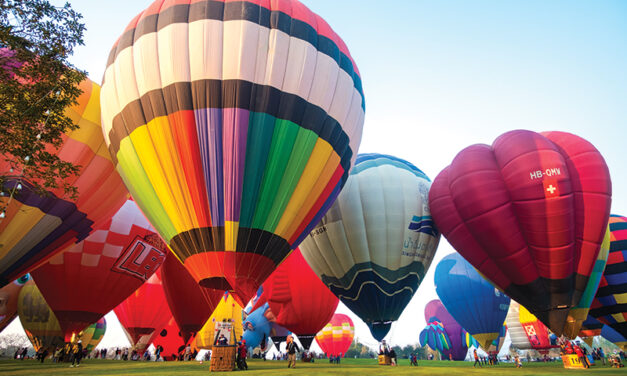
<point x="472" y="301"/>
<point x="436" y="312"/>
<point x="610" y="302"/>
<point x="190" y="304"/>
<point x="227" y="310"/>
<point x="527" y="332"/>
<point x="8" y="300"/>
<point x="34" y="227"/>
<point x="337" y="335"/>
<point x="257" y="327"/>
<point x="38" y="320"/>
<point x="90" y="278"/>
<point x="590" y="328"/>
<point x="529" y="212"/>
<point x="145" y="311"/>
<point x="374" y="246"/>
<point x="93" y="334"/>
<point x="234" y="137"/>
<point x="300" y="302"/>
<point x="171" y="339"/>
<point x="434" y="336"/>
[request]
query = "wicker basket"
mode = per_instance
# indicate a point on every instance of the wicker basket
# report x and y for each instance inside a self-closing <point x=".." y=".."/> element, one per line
<point x="223" y="358"/>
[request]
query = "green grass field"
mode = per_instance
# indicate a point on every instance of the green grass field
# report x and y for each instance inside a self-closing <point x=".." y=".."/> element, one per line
<point x="355" y="367"/>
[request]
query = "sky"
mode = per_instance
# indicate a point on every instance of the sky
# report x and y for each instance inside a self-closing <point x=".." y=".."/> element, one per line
<point x="441" y="75"/>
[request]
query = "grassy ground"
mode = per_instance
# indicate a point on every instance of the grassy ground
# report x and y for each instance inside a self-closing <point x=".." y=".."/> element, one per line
<point x="357" y="367"/>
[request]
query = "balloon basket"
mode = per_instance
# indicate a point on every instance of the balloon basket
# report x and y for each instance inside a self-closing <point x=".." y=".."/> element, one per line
<point x="384" y="360"/>
<point x="572" y="361"/>
<point x="222" y="358"/>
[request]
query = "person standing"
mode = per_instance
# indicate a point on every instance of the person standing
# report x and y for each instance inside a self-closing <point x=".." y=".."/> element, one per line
<point x="292" y="347"/>
<point x="77" y="354"/>
<point x="242" y="353"/>
<point x="477" y="361"/>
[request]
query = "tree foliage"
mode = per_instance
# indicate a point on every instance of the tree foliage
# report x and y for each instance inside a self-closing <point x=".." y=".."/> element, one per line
<point x="37" y="84"/>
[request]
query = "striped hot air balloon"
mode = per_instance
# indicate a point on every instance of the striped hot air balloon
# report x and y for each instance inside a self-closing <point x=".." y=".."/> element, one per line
<point x="337" y="335"/>
<point x="36" y="227"/>
<point x="610" y="302"/>
<point x="374" y="246"/>
<point x="234" y="125"/>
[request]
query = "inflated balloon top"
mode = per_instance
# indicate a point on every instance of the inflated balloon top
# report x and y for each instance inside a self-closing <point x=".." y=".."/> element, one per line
<point x="337" y="335"/>
<point x="234" y="126"/>
<point x="374" y="246"/>
<point x="610" y="302"/>
<point x="90" y="278"/>
<point x="529" y="212"/>
<point x="476" y="305"/>
<point x="33" y="226"/>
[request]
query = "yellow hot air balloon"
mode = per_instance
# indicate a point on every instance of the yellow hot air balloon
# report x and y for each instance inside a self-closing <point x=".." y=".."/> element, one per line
<point x="228" y="310"/>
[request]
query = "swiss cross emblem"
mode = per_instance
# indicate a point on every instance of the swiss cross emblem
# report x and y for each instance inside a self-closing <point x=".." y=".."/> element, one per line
<point x="140" y="259"/>
<point x="551" y="189"/>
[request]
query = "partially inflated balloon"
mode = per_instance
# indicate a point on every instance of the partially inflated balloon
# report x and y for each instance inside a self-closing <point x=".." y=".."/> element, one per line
<point x="90" y="278"/>
<point x="434" y="336"/>
<point x="234" y="125"/>
<point x="530" y="213"/>
<point x="337" y="335"/>
<point x="298" y="299"/>
<point x="37" y="319"/>
<point x="93" y="334"/>
<point x="436" y="312"/>
<point x="171" y="339"/>
<point x="256" y="327"/>
<point x="610" y="303"/>
<point x="8" y="300"/>
<point x="36" y="227"/>
<point x="474" y="302"/>
<point x="374" y="246"/>
<point x="145" y="311"/>
<point x="526" y="331"/>
<point x="190" y="304"/>
<point x="227" y="310"/>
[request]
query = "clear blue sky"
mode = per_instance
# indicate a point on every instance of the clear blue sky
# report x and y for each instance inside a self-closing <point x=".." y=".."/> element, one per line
<point x="441" y="75"/>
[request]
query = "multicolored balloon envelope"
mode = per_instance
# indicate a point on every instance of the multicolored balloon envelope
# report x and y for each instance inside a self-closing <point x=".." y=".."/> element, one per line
<point x="436" y="312"/>
<point x="227" y="310"/>
<point x="300" y="302"/>
<point x="36" y="227"/>
<point x="145" y="311"/>
<point x="610" y="303"/>
<point x="337" y="335"/>
<point x="613" y="336"/>
<point x="8" y="300"/>
<point x="473" y="302"/>
<point x="190" y="304"/>
<point x="530" y="213"/>
<point x="93" y="334"/>
<point x="526" y="331"/>
<point x="90" y="278"/>
<point x="234" y="125"/>
<point x="434" y="336"/>
<point x="374" y="246"/>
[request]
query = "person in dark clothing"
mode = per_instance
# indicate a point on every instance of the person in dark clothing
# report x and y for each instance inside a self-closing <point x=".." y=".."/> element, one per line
<point x="77" y="354"/>
<point x="242" y="352"/>
<point x="292" y="347"/>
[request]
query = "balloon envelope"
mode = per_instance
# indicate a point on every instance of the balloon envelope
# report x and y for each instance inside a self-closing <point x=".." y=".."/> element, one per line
<point x="234" y="132"/>
<point x="38" y="320"/>
<point x="190" y="304"/>
<point x="435" y="311"/>
<point x="8" y="300"/>
<point x="474" y="302"/>
<point x="298" y="299"/>
<point x="526" y="331"/>
<point x="530" y="213"/>
<point x="145" y="311"/>
<point x="613" y="336"/>
<point x="337" y="335"/>
<point x="256" y="327"/>
<point x="610" y="302"/>
<point x="374" y="246"/>
<point x="90" y="278"/>
<point x="227" y="310"/>
<point x="36" y="227"/>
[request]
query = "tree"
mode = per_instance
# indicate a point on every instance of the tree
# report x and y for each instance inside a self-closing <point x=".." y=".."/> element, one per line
<point x="37" y="83"/>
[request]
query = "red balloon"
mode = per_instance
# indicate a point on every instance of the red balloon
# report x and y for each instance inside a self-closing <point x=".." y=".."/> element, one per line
<point x="90" y="278"/>
<point x="336" y="337"/>
<point x="298" y="299"/>
<point x="190" y="304"/>
<point x="145" y="311"/>
<point x="170" y="338"/>
<point x="530" y="213"/>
